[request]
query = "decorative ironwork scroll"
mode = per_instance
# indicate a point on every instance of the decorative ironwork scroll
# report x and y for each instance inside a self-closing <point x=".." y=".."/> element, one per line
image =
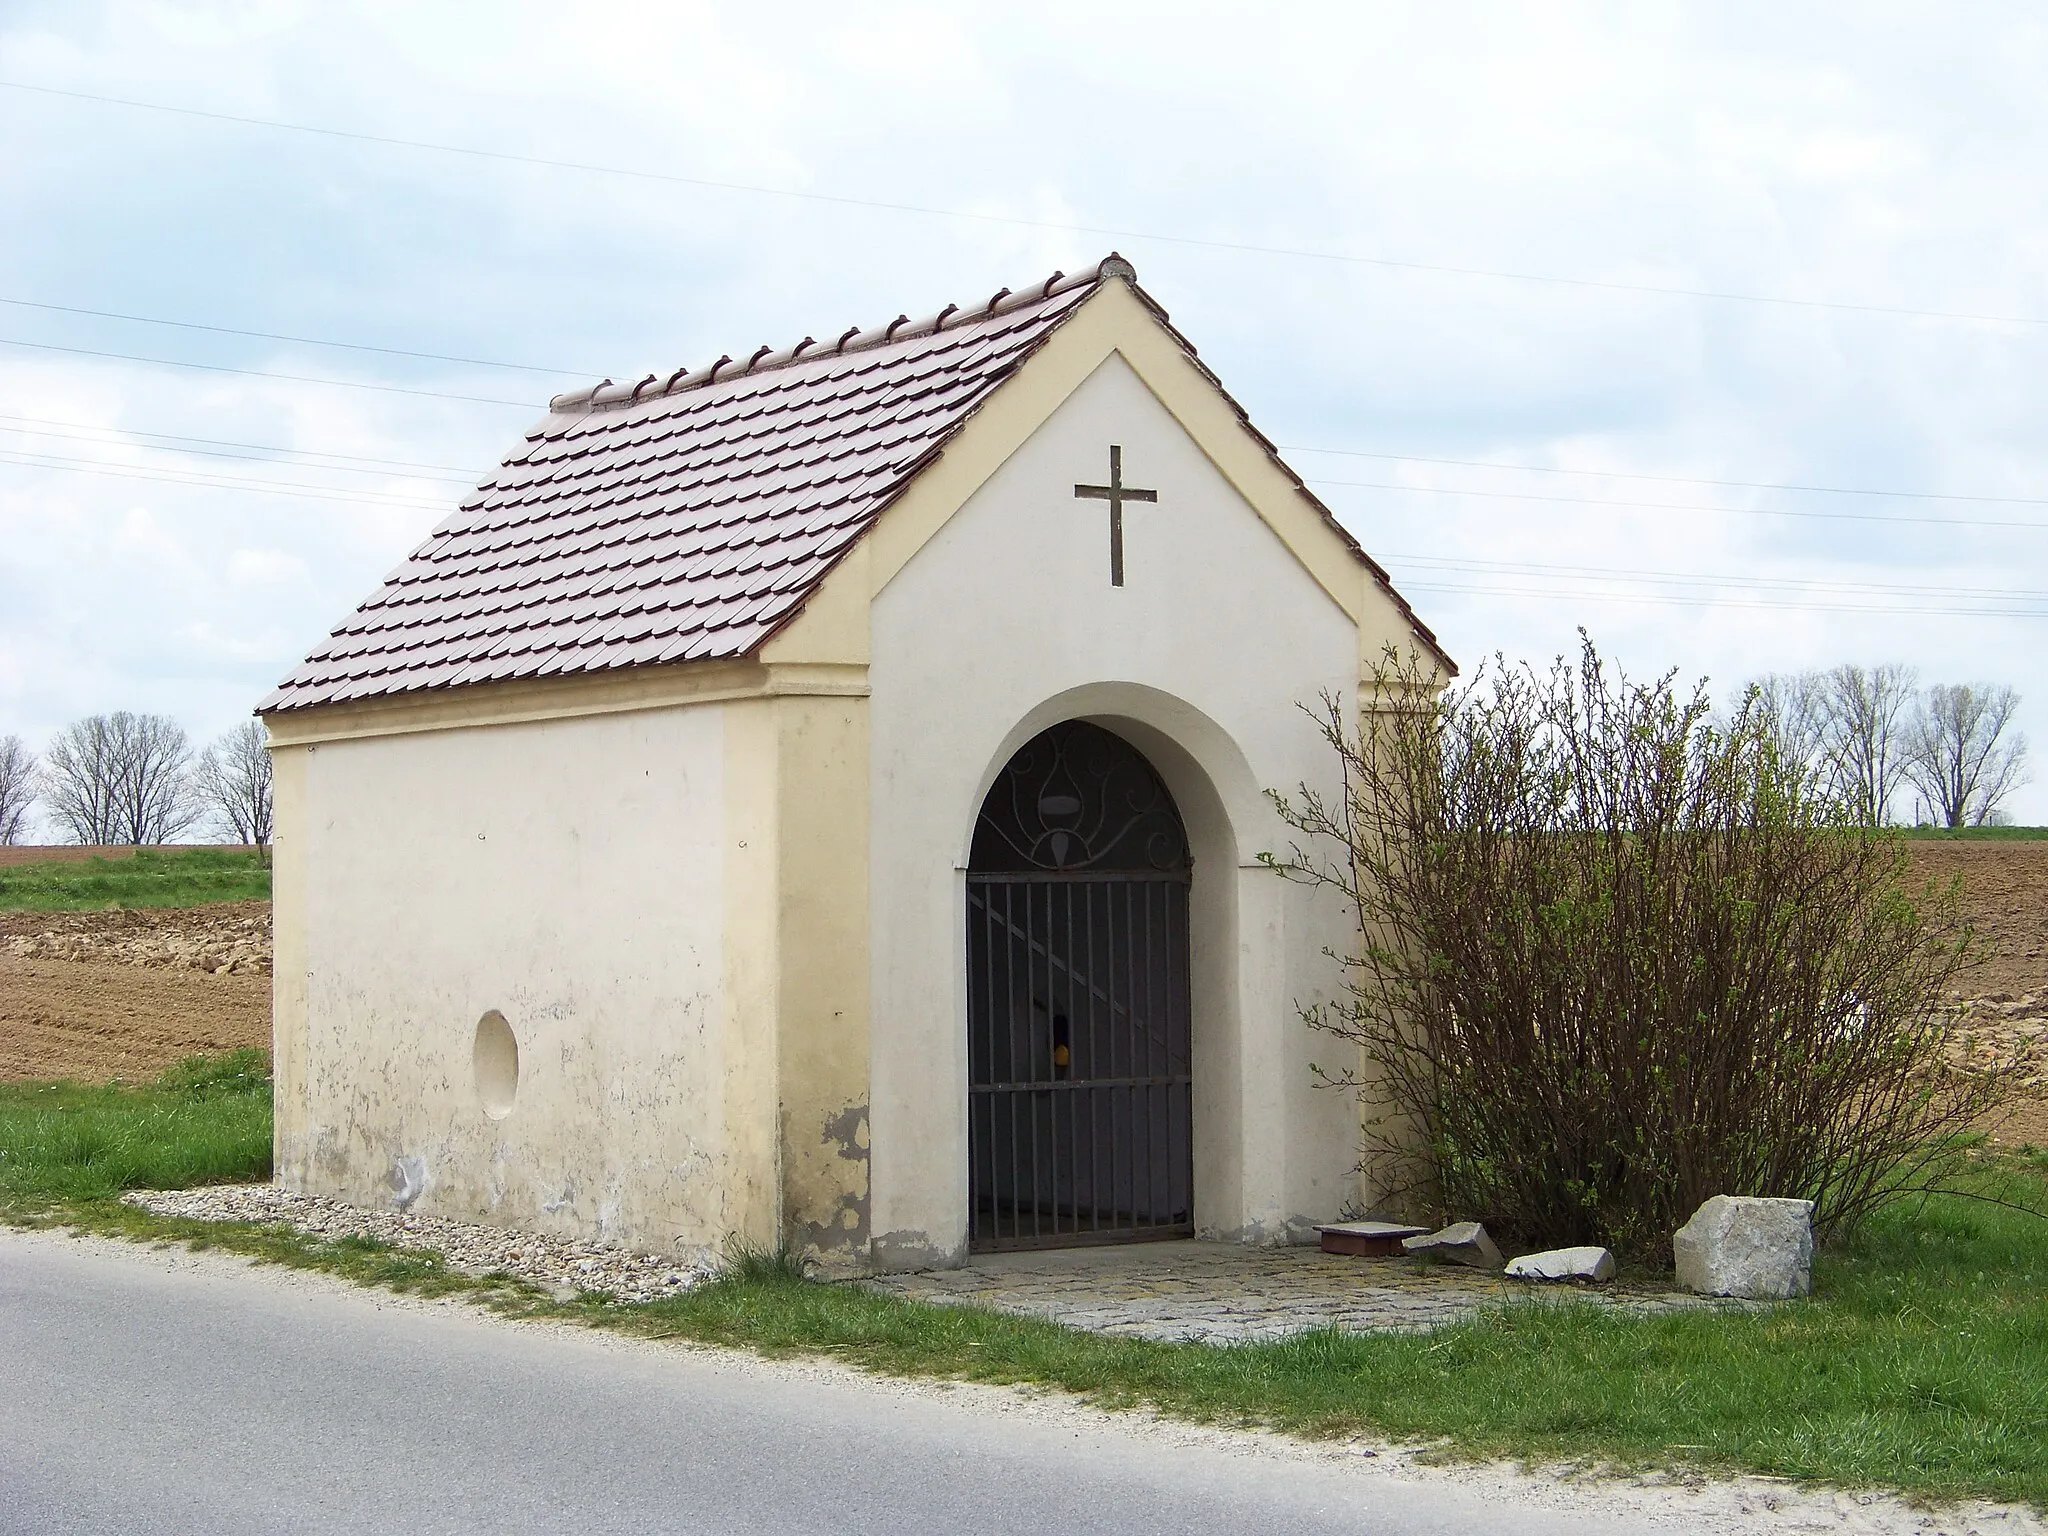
<point x="1075" y="798"/>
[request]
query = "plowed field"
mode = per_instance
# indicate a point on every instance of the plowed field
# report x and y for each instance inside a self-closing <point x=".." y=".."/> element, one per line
<point x="93" y="1020"/>
<point x="2005" y="895"/>
<point x="96" y="995"/>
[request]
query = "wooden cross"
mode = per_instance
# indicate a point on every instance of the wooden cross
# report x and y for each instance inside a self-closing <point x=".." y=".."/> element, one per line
<point x="1116" y="493"/>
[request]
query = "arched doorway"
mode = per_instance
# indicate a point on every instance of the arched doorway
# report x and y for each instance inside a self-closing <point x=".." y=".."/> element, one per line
<point x="1079" y="1081"/>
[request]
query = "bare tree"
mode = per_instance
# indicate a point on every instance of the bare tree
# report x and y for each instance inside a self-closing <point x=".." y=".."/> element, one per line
<point x="1792" y="706"/>
<point x="1962" y="758"/>
<point x="232" y="777"/>
<point x="79" y="770"/>
<point x="1863" y="737"/>
<point x="17" y="788"/>
<point x="120" y="778"/>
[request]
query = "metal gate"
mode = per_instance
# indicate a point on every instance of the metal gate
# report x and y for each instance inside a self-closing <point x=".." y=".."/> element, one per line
<point x="1079" y="1082"/>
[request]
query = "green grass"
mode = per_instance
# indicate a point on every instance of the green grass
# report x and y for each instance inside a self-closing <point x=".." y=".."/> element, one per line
<point x="183" y="877"/>
<point x="1978" y="834"/>
<point x="1920" y="1364"/>
<point x="206" y="1121"/>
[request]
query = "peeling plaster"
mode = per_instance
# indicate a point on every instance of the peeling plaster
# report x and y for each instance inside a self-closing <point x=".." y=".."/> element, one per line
<point x="904" y="1252"/>
<point x="829" y="1209"/>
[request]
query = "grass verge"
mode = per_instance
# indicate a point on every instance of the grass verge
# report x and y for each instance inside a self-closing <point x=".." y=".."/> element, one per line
<point x="1921" y="1363"/>
<point x="185" y="877"/>
<point x="205" y="1121"/>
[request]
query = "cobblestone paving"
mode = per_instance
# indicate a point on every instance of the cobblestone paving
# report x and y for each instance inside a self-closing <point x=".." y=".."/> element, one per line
<point x="1225" y="1293"/>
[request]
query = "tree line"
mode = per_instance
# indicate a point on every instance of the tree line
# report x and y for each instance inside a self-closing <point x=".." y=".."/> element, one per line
<point x="1867" y="733"/>
<point x="130" y="780"/>
<point x="1872" y="733"/>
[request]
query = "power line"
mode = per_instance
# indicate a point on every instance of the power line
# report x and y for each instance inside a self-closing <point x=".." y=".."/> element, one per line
<point x="1019" y="222"/>
<point x="1289" y="448"/>
<point x="292" y="488"/>
<point x="259" y="373"/>
<point x="220" y="453"/>
<point x="303" y="341"/>
<point x="1356" y="453"/>
<point x="1578" y="576"/>
<point x="456" y="474"/>
<point x="216" y="442"/>
<point x="1665" y="600"/>
<point x="1712" y="578"/>
<point x="1683" y="506"/>
<point x="1622" y="474"/>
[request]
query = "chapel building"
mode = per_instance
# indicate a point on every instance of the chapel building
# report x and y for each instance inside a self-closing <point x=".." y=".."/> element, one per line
<point x="817" y="800"/>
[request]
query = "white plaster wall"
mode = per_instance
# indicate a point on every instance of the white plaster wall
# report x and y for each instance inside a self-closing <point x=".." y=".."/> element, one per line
<point x="567" y="874"/>
<point x="1004" y="623"/>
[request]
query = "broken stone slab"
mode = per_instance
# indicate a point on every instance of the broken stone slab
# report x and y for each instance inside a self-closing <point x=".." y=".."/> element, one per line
<point x="1367" y="1239"/>
<point x="1748" y="1246"/>
<point x="1593" y="1264"/>
<point x="1462" y="1242"/>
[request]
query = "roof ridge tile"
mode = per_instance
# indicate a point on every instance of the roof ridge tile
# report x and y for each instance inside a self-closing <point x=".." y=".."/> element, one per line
<point x="607" y="394"/>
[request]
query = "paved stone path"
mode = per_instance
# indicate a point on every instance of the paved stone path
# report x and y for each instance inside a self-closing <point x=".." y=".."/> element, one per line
<point x="1226" y="1293"/>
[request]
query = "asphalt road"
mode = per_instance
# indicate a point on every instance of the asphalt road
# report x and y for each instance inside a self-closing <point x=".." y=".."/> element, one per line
<point x="142" y="1395"/>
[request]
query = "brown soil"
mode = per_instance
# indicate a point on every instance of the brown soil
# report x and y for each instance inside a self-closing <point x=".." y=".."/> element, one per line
<point x="2022" y="1124"/>
<point x="2005" y="896"/>
<point x="93" y="1020"/>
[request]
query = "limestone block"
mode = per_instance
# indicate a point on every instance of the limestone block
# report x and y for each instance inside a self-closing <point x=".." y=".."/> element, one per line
<point x="1462" y="1242"/>
<point x="1743" y="1245"/>
<point x="1564" y="1264"/>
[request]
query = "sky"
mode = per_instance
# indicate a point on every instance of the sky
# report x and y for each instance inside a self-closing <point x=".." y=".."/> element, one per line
<point x="1720" y="330"/>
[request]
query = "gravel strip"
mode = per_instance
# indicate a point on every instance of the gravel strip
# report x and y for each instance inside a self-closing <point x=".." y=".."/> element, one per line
<point x="565" y="1268"/>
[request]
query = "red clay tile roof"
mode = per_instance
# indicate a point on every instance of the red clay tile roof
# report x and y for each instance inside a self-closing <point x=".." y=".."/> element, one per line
<point x="687" y="518"/>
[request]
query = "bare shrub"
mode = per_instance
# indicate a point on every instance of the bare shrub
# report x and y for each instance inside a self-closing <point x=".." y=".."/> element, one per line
<point x="17" y="788"/>
<point x="1615" y="959"/>
<point x="120" y="779"/>
<point x="232" y="778"/>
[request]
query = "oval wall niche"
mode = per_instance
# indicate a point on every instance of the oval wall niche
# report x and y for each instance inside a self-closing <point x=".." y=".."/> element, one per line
<point x="497" y="1064"/>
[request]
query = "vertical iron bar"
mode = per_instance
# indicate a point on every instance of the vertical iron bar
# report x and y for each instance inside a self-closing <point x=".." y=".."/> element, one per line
<point x="1030" y="1048"/>
<point x="1141" y="1061"/>
<point x="1137" y="1027"/>
<point x="1182" y="1061"/>
<point x="1110" y="1094"/>
<point x="1094" y="1070"/>
<point x="1152" y="1024"/>
<point x="1163" y="1053"/>
<point x="1052" y="1037"/>
<point x="976" y="979"/>
<point x="973" y="1125"/>
<point x="994" y="1170"/>
<point x="1073" y="1072"/>
<point x="1010" y="1047"/>
<point x="985" y="1024"/>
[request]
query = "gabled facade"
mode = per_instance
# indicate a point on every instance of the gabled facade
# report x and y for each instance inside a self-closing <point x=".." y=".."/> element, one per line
<point x="634" y="870"/>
